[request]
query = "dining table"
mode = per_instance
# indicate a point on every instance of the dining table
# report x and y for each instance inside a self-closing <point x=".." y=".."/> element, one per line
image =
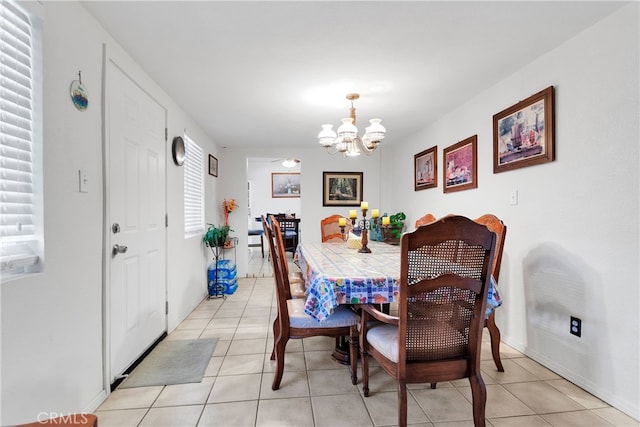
<point x="337" y="274"/>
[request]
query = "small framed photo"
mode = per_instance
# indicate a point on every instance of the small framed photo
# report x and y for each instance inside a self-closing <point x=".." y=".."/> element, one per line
<point x="341" y="188"/>
<point x="285" y="184"/>
<point x="425" y="169"/>
<point x="523" y="134"/>
<point x="213" y="166"/>
<point x="461" y="165"/>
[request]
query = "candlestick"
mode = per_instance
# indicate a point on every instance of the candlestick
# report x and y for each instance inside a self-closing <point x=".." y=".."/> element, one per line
<point x="386" y="220"/>
<point x="342" y="222"/>
<point x="353" y="214"/>
<point x="375" y="213"/>
<point x="365" y="226"/>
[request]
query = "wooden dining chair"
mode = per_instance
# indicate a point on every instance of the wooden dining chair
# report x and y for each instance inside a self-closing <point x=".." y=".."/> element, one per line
<point x="494" y="224"/>
<point x="330" y="230"/>
<point x="296" y="279"/>
<point x="437" y="333"/>
<point x="294" y="323"/>
<point x="296" y="287"/>
<point x="425" y="219"/>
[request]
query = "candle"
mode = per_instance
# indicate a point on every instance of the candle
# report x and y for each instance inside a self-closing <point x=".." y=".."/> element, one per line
<point x="375" y="213"/>
<point x="364" y="206"/>
<point x="385" y="220"/>
<point x="342" y="222"/>
<point x="353" y="214"/>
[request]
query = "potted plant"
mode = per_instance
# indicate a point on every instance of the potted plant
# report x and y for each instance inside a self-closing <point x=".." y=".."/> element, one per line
<point x="215" y="237"/>
<point x="393" y="231"/>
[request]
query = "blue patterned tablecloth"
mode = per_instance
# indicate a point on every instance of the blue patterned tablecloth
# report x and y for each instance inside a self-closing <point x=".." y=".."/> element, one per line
<point x="336" y="274"/>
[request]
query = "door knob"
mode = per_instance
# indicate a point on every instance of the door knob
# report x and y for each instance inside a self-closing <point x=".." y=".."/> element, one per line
<point x="117" y="249"/>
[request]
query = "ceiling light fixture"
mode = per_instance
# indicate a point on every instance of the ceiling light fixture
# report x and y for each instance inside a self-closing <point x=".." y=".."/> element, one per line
<point x="347" y="141"/>
<point x="289" y="163"/>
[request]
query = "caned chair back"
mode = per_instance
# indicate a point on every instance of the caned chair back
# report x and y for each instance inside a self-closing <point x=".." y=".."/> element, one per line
<point x="444" y="279"/>
<point x="425" y="219"/>
<point x="330" y="230"/>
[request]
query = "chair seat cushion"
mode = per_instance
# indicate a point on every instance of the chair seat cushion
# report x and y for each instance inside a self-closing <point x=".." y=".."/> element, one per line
<point x="297" y="289"/>
<point x="341" y="316"/>
<point x="384" y="338"/>
<point x="290" y="234"/>
<point x="255" y="232"/>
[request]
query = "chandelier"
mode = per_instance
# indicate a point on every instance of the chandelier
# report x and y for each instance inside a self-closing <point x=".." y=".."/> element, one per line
<point x="347" y="141"/>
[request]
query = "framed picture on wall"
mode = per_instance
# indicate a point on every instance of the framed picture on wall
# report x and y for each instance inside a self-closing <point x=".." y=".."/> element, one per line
<point x="213" y="166"/>
<point x="523" y="134"/>
<point x="341" y="188"/>
<point x="425" y="169"/>
<point x="285" y="184"/>
<point x="460" y="170"/>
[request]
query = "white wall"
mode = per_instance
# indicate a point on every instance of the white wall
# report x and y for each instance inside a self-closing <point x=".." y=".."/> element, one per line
<point x="51" y="325"/>
<point x="572" y="240"/>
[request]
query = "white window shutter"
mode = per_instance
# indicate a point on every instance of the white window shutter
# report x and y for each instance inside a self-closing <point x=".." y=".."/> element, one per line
<point x="193" y="189"/>
<point x="20" y="226"/>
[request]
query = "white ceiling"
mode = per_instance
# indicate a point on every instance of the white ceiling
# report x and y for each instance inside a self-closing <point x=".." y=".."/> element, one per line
<point x="252" y="73"/>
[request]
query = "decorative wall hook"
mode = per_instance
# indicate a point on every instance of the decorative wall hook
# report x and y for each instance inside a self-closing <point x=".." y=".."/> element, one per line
<point x="79" y="94"/>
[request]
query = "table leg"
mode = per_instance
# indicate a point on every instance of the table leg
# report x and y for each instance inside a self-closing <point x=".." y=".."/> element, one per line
<point x="341" y="352"/>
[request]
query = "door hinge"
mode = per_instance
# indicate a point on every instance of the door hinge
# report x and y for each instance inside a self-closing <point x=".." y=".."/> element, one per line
<point x="166" y="220"/>
<point x="166" y="307"/>
<point x="166" y="134"/>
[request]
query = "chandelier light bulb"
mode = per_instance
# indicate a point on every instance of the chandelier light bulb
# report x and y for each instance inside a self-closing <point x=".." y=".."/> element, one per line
<point x="375" y="131"/>
<point x="348" y="131"/>
<point x="327" y="136"/>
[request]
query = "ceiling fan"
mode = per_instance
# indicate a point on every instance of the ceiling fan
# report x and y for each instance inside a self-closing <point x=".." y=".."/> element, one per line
<point x="288" y="162"/>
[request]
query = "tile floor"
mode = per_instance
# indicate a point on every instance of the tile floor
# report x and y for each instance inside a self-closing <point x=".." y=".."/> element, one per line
<point x="316" y="391"/>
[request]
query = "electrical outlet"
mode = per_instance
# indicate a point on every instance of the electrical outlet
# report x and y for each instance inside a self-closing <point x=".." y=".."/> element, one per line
<point x="576" y="326"/>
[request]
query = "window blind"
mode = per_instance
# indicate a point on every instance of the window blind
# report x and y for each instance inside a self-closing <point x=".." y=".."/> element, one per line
<point x="19" y="227"/>
<point x="193" y="188"/>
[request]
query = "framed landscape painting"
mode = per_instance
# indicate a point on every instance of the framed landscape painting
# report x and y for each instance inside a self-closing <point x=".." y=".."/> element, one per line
<point x="523" y="134"/>
<point x="285" y="184"/>
<point x="425" y="169"/>
<point x="341" y="188"/>
<point x="461" y="165"/>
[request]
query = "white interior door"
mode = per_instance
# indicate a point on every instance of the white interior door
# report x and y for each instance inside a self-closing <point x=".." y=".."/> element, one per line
<point x="136" y="210"/>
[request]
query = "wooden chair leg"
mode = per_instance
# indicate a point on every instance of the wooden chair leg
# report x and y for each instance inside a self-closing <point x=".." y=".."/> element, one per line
<point x="279" y="348"/>
<point x="364" y="359"/>
<point x="353" y="354"/>
<point x="479" y="399"/>
<point x="275" y="334"/>
<point x="402" y="404"/>
<point x="494" y="333"/>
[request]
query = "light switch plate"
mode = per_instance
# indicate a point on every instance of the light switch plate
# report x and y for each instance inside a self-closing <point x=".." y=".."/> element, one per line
<point x="83" y="181"/>
<point x="513" y="198"/>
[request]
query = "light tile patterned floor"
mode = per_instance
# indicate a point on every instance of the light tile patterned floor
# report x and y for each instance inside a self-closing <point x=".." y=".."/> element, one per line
<point x="316" y="391"/>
